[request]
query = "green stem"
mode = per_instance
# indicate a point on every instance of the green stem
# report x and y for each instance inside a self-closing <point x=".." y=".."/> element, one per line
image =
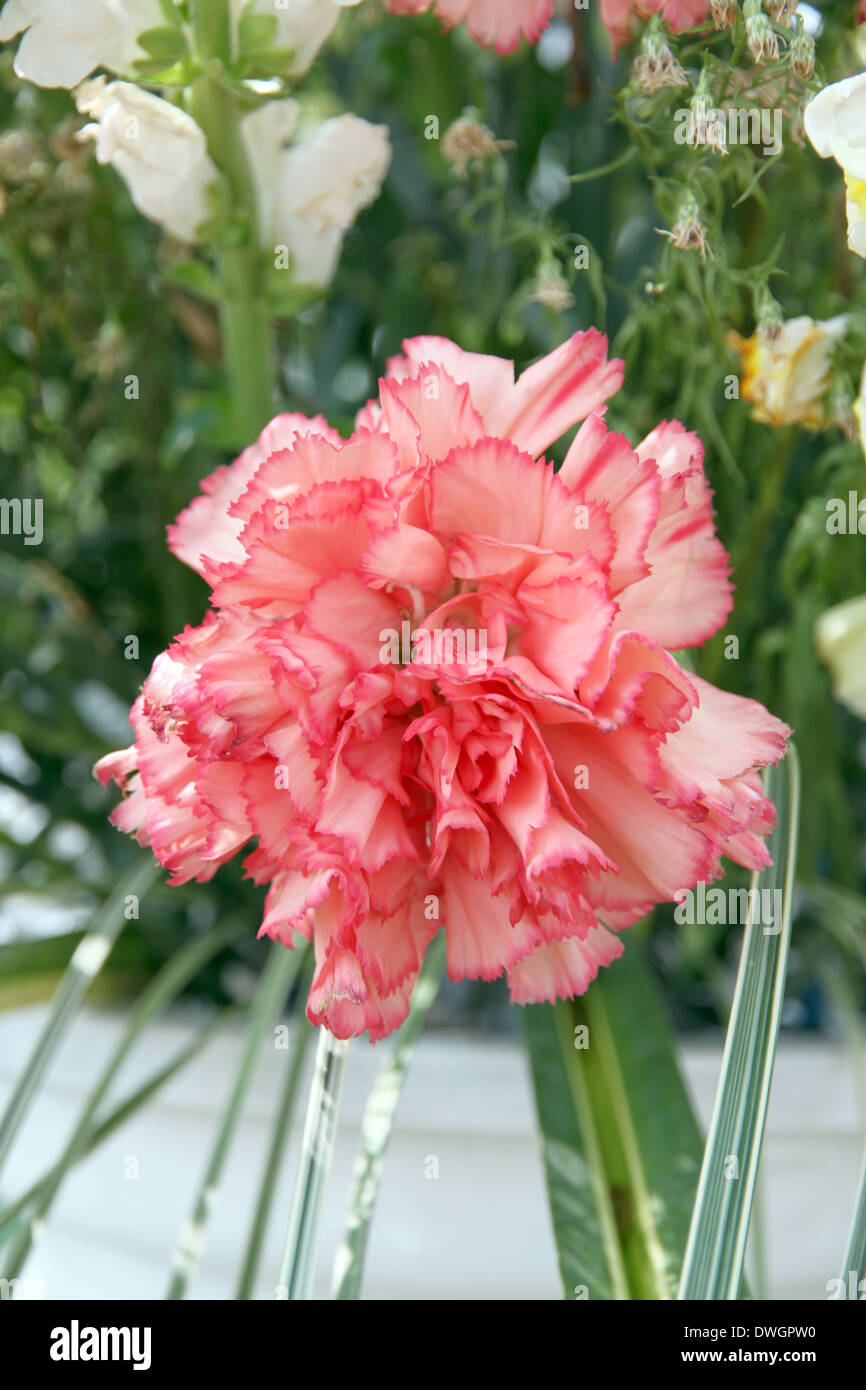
<point x="246" y="326"/>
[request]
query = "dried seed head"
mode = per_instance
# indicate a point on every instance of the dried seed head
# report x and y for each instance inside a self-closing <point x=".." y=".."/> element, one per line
<point x="709" y="123"/>
<point x="802" y="55"/>
<point x="655" y="66"/>
<point x="689" y="232"/>
<point x="760" y="34"/>
<point x="551" y="288"/>
<point x="724" y="13"/>
<point x="467" y="141"/>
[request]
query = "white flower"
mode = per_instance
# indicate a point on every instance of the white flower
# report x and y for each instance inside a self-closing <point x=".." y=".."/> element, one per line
<point x="840" y="636"/>
<point x="66" y="39"/>
<point x="158" y="150"/>
<point x="312" y="192"/>
<point x="835" y="122"/>
<point x="303" y="25"/>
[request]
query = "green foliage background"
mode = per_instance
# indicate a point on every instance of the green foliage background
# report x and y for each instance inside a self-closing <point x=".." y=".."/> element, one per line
<point x="90" y="294"/>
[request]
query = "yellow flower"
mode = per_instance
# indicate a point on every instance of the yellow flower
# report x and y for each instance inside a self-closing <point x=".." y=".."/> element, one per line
<point x="840" y="636"/>
<point x="786" y="375"/>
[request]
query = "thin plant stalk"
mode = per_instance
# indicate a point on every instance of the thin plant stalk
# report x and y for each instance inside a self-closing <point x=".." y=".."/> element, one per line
<point x="277" y="979"/>
<point x="87" y="960"/>
<point x="121" y="1113"/>
<point x="854" y="1263"/>
<point x="165" y="986"/>
<point x="267" y="1190"/>
<point x="247" y="330"/>
<point x="298" y="1267"/>
<point x="713" y="1264"/>
<point x="377" y="1126"/>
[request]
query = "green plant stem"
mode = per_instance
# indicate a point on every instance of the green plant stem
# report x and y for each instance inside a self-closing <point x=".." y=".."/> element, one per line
<point x="377" y="1126"/>
<point x="279" y="1136"/>
<point x="246" y="325"/>
<point x="86" y="963"/>
<point x="165" y="986"/>
<point x="277" y="977"/>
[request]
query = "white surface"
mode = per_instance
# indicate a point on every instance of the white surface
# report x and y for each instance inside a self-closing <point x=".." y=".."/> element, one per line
<point x="479" y="1231"/>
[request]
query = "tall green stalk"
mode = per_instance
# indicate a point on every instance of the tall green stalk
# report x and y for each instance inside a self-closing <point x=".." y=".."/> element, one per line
<point x="246" y="324"/>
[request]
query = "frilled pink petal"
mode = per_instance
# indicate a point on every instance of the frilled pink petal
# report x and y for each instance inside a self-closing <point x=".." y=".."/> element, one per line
<point x="206" y="529"/>
<point x="725" y="737"/>
<point x="481" y="939"/>
<point x="555" y="393"/>
<point x="561" y="969"/>
<point x="488" y="378"/>
<point x="633" y="678"/>
<point x="601" y="467"/>
<point x="440" y="408"/>
<point x="687" y="595"/>
<point x="657" y="851"/>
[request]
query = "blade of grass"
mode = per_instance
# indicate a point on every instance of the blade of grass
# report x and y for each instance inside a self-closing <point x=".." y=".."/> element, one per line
<point x="719" y="1230"/>
<point x="854" y="1261"/>
<point x="377" y="1126"/>
<point x="277" y="978"/>
<point x="279" y="1137"/>
<point x="165" y="986"/>
<point x="87" y="960"/>
<point x="123" y="1112"/>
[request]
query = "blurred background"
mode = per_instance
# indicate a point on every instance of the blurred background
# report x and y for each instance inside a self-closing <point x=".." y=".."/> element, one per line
<point x="484" y="255"/>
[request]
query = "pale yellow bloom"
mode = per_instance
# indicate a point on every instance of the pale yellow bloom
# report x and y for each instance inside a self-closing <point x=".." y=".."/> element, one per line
<point x="840" y="636"/>
<point x="786" y="375"/>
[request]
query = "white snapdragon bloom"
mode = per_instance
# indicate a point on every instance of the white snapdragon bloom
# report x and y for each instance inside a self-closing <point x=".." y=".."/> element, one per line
<point x="835" y="122"/>
<point x="840" y="636"/>
<point x="303" y="25"/>
<point x="312" y="192"/>
<point x="786" y="375"/>
<point x="159" y="150"/>
<point x="65" y="40"/>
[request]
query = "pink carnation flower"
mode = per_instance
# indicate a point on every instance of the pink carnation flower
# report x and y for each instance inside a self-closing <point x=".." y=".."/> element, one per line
<point x="621" y="17"/>
<point x="500" y="23"/>
<point x="437" y="684"/>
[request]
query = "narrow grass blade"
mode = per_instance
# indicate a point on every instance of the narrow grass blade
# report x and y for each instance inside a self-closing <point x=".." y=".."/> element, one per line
<point x="279" y="1138"/>
<point x="277" y="978"/>
<point x="298" y="1266"/>
<point x="719" y="1229"/>
<point x="121" y="1113"/>
<point x="620" y="1144"/>
<point x="377" y="1125"/>
<point x="86" y="962"/>
<point x="165" y="986"/>
<point x="854" y="1262"/>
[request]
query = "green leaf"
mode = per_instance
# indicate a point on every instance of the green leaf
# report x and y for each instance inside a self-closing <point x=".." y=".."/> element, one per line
<point x="165" y="43"/>
<point x="195" y="277"/>
<point x="620" y="1143"/>
<point x="720" y="1223"/>
<point x="256" y="31"/>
